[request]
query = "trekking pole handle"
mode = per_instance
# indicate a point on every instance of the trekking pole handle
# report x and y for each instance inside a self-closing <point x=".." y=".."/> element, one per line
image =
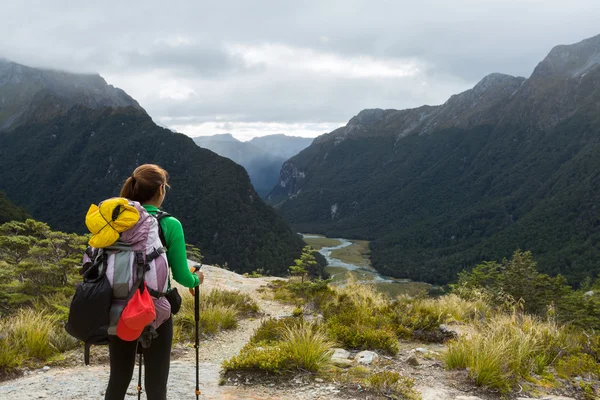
<point x="193" y="270"/>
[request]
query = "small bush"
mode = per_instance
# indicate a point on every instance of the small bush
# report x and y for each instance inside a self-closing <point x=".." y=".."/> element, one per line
<point x="298" y="312"/>
<point x="357" y="336"/>
<point x="420" y="318"/>
<point x="268" y="359"/>
<point x="582" y="365"/>
<point x="392" y="384"/>
<point x="313" y="294"/>
<point x="259" y="273"/>
<point x="271" y="330"/>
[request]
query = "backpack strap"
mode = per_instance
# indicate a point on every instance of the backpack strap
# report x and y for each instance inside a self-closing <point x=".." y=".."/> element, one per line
<point x="160" y="215"/>
<point x="142" y="268"/>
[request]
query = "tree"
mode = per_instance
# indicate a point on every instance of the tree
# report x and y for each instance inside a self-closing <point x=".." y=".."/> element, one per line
<point x="193" y="253"/>
<point x="303" y="264"/>
<point x="35" y="260"/>
<point x="515" y="279"/>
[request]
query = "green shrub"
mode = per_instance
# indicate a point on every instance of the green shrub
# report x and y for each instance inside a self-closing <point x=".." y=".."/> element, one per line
<point x="313" y="294"/>
<point x="361" y="337"/>
<point x="582" y="365"/>
<point x="392" y="384"/>
<point x="268" y="359"/>
<point x="298" y="312"/>
<point x="271" y="330"/>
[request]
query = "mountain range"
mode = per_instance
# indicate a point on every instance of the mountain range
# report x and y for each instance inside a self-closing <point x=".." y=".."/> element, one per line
<point x="70" y="140"/>
<point x="511" y="163"/>
<point x="262" y="157"/>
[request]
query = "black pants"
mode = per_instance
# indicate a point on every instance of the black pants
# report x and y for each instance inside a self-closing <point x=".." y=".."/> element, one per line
<point x="157" y="358"/>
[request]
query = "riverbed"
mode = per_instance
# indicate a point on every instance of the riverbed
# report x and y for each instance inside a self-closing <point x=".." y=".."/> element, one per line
<point x="348" y="259"/>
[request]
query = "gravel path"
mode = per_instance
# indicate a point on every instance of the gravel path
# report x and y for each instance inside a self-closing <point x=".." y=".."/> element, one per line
<point x="90" y="382"/>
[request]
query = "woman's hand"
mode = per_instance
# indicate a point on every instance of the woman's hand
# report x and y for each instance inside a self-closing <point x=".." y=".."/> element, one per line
<point x="196" y="270"/>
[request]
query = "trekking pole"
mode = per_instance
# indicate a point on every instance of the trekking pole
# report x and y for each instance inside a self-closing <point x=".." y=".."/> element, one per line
<point x="139" y="385"/>
<point x="197" y="345"/>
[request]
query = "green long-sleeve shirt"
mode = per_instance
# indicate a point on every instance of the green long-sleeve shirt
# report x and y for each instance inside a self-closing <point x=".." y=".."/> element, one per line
<point x="176" y="252"/>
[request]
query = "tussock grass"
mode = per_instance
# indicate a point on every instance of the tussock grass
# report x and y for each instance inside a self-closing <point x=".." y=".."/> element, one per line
<point x="281" y="346"/>
<point x="452" y="308"/>
<point x="307" y="346"/>
<point x="509" y="347"/>
<point x="30" y="336"/>
<point x="219" y="310"/>
<point x="213" y="318"/>
<point x="359" y="318"/>
<point x="241" y="302"/>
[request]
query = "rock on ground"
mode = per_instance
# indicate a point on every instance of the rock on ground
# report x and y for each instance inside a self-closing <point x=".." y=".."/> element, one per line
<point x="366" y="357"/>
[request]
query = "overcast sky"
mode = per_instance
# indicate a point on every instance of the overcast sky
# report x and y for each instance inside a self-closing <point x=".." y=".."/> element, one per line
<point x="297" y="67"/>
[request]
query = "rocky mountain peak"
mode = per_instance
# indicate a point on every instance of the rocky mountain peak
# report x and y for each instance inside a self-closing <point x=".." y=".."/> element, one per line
<point x="44" y="93"/>
<point x="497" y="81"/>
<point x="569" y="61"/>
<point x="367" y="117"/>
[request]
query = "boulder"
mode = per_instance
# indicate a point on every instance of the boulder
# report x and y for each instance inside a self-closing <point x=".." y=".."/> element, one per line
<point x="341" y="362"/>
<point x="413" y="360"/>
<point x="340" y="353"/>
<point x="366" y="357"/>
<point x="447" y="332"/>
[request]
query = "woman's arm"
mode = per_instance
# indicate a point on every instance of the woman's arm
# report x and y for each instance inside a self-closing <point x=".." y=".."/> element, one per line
<point x="177" y="254"/>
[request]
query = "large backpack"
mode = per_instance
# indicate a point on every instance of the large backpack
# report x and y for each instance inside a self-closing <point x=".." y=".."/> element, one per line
<point x="112" y="274"/>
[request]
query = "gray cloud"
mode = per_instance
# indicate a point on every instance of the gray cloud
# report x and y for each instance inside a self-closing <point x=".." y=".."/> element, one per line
<point x="292" y="65"/>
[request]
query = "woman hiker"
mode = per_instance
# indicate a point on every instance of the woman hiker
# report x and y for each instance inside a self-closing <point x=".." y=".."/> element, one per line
<point x="148" y="185"/>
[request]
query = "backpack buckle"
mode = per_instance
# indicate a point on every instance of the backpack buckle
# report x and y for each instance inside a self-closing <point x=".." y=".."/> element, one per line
<point x="139" y="258"/>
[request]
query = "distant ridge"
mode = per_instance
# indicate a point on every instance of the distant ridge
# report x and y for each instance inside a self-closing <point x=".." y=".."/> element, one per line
<point x="262" y="156"/>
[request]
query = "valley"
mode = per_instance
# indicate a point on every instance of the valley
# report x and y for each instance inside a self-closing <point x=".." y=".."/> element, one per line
<point x="348" y="260"/>
<point x="508" y="164"/>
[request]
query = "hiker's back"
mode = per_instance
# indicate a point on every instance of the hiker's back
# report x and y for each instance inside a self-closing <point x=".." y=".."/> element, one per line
<point x="125" y="251"/>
